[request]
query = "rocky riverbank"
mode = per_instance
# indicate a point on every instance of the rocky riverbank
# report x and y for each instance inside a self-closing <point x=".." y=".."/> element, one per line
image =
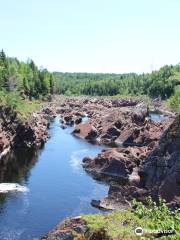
<point x="16" y="133"/>
<point x="112" y="122"/>
<point x="137" y="172"/>
<point x="127" y="128"/>
<point x="142" y="158"/>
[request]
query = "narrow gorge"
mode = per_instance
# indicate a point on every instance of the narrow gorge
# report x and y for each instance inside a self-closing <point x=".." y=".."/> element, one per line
<point x="84" y="155"/>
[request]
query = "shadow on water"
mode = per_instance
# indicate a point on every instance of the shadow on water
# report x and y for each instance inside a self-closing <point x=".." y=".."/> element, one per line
<point x="15" y="166"/>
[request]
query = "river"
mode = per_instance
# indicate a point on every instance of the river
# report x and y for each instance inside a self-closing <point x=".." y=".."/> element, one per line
<point x="57" y="185"/>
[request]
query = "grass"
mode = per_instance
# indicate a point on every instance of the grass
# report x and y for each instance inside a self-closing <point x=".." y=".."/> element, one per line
<point x="122" y="224"/>
<point x="24" y="108"/>
<point x="118" y="224"/>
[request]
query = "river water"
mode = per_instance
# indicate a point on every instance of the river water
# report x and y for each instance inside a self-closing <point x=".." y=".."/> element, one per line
<point x="57" y="186"/>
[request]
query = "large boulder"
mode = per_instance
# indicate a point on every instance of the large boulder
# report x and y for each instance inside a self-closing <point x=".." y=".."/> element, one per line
<point x="116" y="163"/>
<point x="121" y="196"/>
<point x="68" y="119"/>
<point x="86" y="131"/>
<point x="146" y="134"/>
<point x="139" y="113"/>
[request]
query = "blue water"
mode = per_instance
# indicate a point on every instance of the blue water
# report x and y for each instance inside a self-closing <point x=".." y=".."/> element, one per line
<point x="157" y="117"/>
<point x="58" y="186"/>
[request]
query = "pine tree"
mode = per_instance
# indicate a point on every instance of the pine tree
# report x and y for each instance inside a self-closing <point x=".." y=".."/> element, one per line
<point x="4" y="72"/>
<point x="52" y="86"/>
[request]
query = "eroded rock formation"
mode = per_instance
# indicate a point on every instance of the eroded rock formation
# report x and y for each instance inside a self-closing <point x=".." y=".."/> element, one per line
<point x="16" y="133"/>
<point x="143" y="158"/>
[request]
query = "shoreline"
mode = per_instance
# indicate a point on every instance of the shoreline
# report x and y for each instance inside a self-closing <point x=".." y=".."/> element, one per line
<point x="109" y="121"/>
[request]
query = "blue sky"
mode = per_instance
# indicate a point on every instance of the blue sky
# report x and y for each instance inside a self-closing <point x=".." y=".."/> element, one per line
<point x="92" y="35"/>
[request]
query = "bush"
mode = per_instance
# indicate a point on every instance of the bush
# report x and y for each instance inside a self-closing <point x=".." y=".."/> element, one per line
<point x="12" y="100"/>
<point x="9" y="99"/>
<point x="23" y="107"/>
<point x="174" y="101"/>
<point x="151" y="218"/>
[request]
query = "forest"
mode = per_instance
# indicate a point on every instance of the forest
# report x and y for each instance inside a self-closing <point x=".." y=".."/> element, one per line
<point x="27" y="81"/>
<point x="163" y="84"/>
<point x="159" y="83"/>
<point x="24" y="79"/>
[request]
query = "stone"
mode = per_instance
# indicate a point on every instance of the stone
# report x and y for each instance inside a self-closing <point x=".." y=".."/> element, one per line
<point x="86" y="131"/>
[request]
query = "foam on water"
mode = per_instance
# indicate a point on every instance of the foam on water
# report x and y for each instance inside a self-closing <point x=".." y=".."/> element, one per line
<point x="12" y="187"/>
<point x="76" y="158"/>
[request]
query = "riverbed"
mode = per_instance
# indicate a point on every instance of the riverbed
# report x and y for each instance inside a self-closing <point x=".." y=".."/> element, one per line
<point x="57" y="186"/>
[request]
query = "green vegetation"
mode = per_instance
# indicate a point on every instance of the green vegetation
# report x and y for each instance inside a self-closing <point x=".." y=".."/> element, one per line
<point x="158" y="84"/>
<point x="26" y="108"/>
<point x="14" y="101"/>
<point x="152" y="218"/>
<point x="174" y="101"/>
<point x="23" y="85"/>
<point x="29" y="82"/>
<point x="24" y="78"/>
<point x="26" y="81"/>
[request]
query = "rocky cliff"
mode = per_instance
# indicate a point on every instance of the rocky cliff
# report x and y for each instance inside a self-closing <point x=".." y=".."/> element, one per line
<point x="16" y="133"/>
<point x="160" y="171"/>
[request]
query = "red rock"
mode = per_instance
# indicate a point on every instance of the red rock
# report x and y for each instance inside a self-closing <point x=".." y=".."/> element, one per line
<point x="86" y="131"/>
<point x="4" y="142"/>
<point x="160" y="171"/>
<point x="117" y="163"/>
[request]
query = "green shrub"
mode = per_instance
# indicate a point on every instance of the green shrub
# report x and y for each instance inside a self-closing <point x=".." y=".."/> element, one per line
<point x="13" y="100"/>
<point x="25" y="108"/>
<point x="174" y="101"/>
<point x="151" y="218"/>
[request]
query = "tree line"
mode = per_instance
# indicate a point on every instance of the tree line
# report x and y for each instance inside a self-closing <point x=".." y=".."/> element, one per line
<point x="24" y="78"/>
<point x="29" y="81"/>
<point x="159" y="83"/>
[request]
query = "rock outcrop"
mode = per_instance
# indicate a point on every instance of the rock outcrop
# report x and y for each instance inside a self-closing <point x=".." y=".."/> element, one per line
<point x="116" y="164"/>
<point x="160" y="172"/>
<point x="126" y="126"/>
<point x="74" y="229"/>
<point x="16" y="133"/>
<point x="86" y="131"/>
<point x="69" y="229"/>
<point x="142" y="172"/>
<point x="111" y="122"/>
<point x="143" y="158"/>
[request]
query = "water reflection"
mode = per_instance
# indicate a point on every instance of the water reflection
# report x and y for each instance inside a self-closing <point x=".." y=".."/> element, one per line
<point x="58" y="185"/>
<point x="15" y="166"/>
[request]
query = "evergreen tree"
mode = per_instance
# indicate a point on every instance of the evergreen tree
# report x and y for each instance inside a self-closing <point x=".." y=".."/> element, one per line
<point x="4" y="72"/>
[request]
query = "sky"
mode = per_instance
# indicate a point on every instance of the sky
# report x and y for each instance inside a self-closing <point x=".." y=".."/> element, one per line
<point x="92" y="35"/>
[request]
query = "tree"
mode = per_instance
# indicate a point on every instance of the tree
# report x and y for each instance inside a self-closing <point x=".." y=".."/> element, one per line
<point x="174" y="100"/>
<point x="4" y="72"/>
